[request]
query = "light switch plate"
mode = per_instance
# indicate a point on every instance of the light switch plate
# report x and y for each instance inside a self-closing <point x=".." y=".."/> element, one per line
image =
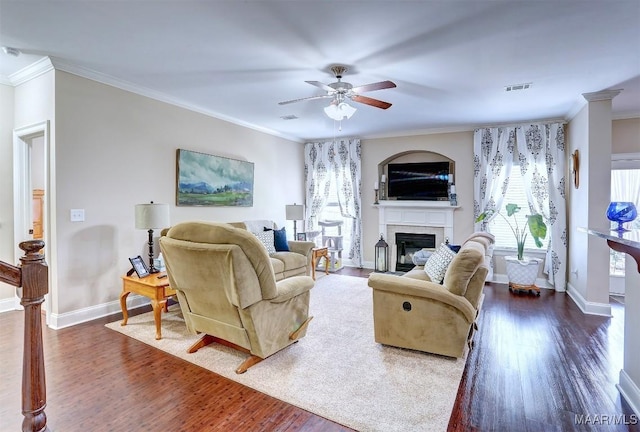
<point x="77" y="215"/>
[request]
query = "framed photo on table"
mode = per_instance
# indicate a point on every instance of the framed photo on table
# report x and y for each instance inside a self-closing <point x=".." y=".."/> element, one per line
<point x="139" y="266"/>
<point x="302" y="236"/>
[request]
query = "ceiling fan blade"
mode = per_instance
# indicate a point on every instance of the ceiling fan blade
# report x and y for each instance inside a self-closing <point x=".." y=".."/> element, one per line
<point x="303" y="99"/>
<point x="374" y="86"/>
<point x="370" y="101"/>
<point x="323" y="86"/>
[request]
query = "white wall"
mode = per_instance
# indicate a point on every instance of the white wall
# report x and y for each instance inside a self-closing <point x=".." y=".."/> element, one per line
<point x="597" y="173"/>
<point x="37" y="163"/>
<point x="34" y="101"/>
<point x="625" y="136"/>
<point x="590" y="131"/>
<point x="6" y="184"/>
<point x="577" y="138"/>
<point x="117" y="149"/>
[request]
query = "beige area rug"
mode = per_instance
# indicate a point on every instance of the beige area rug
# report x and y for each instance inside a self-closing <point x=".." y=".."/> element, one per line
<point x="337" y="370"/>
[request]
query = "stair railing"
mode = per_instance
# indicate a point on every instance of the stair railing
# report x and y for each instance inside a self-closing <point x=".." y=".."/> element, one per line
<point x="31" y="279"/>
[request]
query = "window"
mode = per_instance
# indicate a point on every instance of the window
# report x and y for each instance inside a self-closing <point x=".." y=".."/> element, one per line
<point x="332" y="212"/>
<point x="499" y="227"/>
<point x="625" y="186"/>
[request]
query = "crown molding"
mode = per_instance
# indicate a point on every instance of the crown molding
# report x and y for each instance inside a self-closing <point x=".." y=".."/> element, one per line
<point x="626" y="115"/>
<point x="417" y="132"/>
<point x="161" y="97"/>
<point x="32" y="71"/>
<point x="601" y="95"/>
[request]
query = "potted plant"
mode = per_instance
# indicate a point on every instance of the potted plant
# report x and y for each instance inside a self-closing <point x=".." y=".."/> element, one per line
<point x="521" y="271"/>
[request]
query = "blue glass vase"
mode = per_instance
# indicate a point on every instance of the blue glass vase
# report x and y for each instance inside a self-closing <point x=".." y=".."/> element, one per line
<point x="621" y="212"/>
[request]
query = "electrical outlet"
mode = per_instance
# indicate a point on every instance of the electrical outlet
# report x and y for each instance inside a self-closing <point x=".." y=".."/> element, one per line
<point x="77" y="215"/>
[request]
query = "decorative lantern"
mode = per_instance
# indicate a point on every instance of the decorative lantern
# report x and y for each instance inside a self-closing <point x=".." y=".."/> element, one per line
<point x="382" y="256"/>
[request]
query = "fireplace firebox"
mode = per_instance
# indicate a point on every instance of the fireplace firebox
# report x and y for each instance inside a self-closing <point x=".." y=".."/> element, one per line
<point x="408" y="244"/>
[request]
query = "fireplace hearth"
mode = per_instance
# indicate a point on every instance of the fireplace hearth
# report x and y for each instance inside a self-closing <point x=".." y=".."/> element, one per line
<point x="408" y="244"/>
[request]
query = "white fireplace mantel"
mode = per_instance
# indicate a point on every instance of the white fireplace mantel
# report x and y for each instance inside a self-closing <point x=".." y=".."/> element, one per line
<point x="438" y="214"/>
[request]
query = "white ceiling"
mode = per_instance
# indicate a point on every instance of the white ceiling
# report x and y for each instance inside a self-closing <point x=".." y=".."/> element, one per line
<point x="237" y="59"/>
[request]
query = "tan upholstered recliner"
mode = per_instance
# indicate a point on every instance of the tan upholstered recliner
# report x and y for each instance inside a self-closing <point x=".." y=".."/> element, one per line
<point x="227" y="290"/>
<point x="410" y="311"/>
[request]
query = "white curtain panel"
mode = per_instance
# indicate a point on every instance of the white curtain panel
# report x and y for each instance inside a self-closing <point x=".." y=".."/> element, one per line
<point x="493" y="158"/>
<point x="625" y="186"/>
<point x="336" y="162"/>
<point x="542" y="157"/>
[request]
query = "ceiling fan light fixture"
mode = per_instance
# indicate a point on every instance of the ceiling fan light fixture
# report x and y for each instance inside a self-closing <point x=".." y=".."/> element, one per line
<point x="339" y="111"/>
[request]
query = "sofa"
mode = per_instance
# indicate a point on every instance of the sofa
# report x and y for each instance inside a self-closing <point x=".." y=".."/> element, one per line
<point x="413" y="311"/>
<point x="227" y="290"/>
<point x="294" y="262"/>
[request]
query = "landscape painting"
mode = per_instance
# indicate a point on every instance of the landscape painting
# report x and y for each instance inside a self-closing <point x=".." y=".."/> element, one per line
<point x="207" y="180"/>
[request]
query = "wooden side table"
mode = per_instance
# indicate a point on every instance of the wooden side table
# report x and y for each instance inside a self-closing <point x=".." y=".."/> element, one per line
<point x="316" y="254"/>
<point x="154" y="287"/>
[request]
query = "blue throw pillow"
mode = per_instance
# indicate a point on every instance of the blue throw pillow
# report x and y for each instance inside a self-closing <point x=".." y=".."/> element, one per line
<point x="279" y="239"/>
<point x="455" y="248"/>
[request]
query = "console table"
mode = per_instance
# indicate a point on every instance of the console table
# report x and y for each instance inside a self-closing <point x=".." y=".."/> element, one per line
<point x="628" y="242"/>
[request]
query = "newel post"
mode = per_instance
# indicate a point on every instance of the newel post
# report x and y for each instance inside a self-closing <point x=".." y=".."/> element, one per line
<point x="34" y="287"/>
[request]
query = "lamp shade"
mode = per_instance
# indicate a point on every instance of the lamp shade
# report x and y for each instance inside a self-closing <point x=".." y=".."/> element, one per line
<point x="339" y="111"/>
<point x="294" y="212"/>
<point x="151" y="216"/>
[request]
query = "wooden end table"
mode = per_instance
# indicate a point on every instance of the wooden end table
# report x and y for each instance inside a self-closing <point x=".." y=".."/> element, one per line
<point x="154" y="287"/>
<point x="316" y="254"/>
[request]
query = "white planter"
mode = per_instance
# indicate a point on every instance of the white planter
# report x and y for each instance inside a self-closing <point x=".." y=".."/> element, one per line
<point x="523" y="272"/>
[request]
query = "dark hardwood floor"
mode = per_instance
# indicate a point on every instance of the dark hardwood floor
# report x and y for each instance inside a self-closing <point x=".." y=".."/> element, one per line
<point x="536" y="364"/>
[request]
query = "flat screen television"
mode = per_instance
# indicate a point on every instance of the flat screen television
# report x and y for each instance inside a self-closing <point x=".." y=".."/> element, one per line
<point x="427" y="181"/>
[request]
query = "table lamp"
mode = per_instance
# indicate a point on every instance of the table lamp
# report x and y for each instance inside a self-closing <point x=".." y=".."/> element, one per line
<point x="152" y="216"/>
<point x="294" y="213"/>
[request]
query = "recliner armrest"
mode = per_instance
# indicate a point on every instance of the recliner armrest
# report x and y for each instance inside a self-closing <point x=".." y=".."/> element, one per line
<point x="291" y="287"/>
<point x="424" y="289"/>
<point x="301" y="247"/>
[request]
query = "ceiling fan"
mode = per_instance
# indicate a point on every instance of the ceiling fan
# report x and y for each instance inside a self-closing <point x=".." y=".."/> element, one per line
<point x="340" y="91"/>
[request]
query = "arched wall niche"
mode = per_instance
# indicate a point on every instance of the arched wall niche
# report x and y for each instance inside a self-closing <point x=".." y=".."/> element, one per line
<point x="415" y="156"/>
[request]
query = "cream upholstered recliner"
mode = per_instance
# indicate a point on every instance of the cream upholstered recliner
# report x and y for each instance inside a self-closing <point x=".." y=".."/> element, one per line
<point x="411" y="311"/>
<point x="227" y="290"/>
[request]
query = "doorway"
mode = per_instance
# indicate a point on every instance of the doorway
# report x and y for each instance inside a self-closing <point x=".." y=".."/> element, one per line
<point x="31" y="194"/>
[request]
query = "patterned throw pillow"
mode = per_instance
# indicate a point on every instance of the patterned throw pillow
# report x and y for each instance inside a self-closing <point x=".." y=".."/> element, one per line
<point x="436" y="265"/>
<point x="279" y="239"/>
<point x="266" y="238"/>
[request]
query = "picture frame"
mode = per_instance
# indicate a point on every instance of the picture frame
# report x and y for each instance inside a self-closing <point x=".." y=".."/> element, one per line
<point x="139" y="266"/>
<point x="209" y="180"/>
<point x="301" y="236"/>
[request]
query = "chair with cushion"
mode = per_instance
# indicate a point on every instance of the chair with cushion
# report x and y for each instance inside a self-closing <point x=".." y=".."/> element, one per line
<point x="433" y="308"/>
<point x="288" y="257"/>
<point x="227" y="290"/>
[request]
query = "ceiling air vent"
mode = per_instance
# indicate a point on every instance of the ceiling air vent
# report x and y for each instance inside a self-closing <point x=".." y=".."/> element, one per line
<point x="514" y="87"/>
<point x="288" y="117"/>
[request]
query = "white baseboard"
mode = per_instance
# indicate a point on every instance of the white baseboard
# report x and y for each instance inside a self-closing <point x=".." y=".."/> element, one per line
<point x="67" y="319"/>
<point x="368" y="265"/>
<point x="10" y="304"/>
<point x="630" y="391"/>
<point x="587" y="307"/>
